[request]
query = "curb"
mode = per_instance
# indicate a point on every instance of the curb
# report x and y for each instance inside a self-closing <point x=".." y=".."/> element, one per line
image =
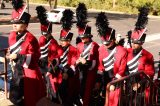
<point x="4" y="21"/>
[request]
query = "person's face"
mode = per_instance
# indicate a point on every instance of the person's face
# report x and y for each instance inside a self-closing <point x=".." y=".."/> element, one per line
<point x="85" y="39"/>
<point x="136" y="46"/>
<point x="64" y="43"/>
<point x="110" y="44"/>
<point x="19" y="27"/>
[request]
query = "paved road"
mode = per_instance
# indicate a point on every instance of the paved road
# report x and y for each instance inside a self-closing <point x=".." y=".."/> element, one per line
<point x="121" y="22"/>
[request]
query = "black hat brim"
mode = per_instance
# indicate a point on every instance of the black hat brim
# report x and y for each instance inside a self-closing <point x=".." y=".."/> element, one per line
<point x="18" y="22"/>
<point x="64" y="39"/>
<point x="106" y="42"/>
<point x="86" y="36"/>
<point x="137" y="41"/>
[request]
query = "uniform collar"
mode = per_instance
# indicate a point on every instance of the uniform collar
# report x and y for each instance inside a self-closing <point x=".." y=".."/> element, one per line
<point x="19" y="35"/>
<point x="136" y="51"/>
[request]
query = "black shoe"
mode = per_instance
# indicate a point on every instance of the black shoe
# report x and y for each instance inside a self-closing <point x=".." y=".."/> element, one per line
<point x="55" y="100"/>
<point x="78" y="101"/>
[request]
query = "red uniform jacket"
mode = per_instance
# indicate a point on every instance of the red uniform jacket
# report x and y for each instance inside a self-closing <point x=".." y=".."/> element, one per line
<point x="145" y="62"/>
<point x="27" y="45"/>
<point x="51" y="50"/>
<point x="71" y="56"/>
<point x="54" y="51"/>
<point x="69" y="60"/>
<point x="114" y="61"/>
<point x="91" y="54"/>
<point x="119" y="60"/>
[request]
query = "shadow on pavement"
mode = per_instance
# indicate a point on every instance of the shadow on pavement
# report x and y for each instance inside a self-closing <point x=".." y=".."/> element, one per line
<point x="8" y="8"/>
<point x="5" y="14"/>
<point x="8" y="21"/>
<point x="3" y="41"/>
<point x="113" y="16"/>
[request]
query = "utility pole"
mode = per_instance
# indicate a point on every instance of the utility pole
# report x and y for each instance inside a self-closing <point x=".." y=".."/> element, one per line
<point x="27" y="1"/>
<point x="114" y="3"/>
<point x="55" y="4"/>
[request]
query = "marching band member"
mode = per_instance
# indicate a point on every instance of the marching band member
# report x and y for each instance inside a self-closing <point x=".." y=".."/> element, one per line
<point x="25" y="52"/>
<point x="138" y="58"/>
<point x="112" y="58"/>
<point x="68" y="69"/>
<point x="50" y="53"/>
<point x="68" y="89"/>
<point x="87" y="63"/>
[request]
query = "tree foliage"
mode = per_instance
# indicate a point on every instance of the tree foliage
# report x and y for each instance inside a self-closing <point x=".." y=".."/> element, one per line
<point x="128" y="6"/>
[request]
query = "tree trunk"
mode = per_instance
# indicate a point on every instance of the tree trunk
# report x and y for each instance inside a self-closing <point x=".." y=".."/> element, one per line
<point x="55" y="4"/>
<point x="114" y="3"/>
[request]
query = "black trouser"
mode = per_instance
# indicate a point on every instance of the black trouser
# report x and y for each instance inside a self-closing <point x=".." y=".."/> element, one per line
<point x="63" y="92"/>
<point x="83" y="83"/>
<point x="97" y="99"/>
<point x="17" y="91"/>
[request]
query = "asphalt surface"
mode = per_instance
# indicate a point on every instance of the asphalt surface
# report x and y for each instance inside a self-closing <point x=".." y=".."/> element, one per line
<point x="119" y="21"/>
